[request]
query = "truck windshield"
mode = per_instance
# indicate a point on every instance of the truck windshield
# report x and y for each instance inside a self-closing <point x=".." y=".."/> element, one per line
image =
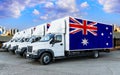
<point x="31" y="39"/>
<point x="25" y="39"/>
<point x="20" y="40"/>
<point x="34" y="39"/>
<point x="47" y="38"/>
<point x="12" y="40"/>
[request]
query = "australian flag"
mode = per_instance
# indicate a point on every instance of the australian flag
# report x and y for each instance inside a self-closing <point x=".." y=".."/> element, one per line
<point x="48" y="26"/>
<point x="89" y="35"/>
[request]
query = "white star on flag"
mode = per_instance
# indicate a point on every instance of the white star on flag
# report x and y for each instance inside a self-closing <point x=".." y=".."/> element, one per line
<point x="110" y="33"/>
<point x="107" y="44"/>
<point x="102" y="34"/>
<point x="84" y="41"/>
<point x="106" y="28"/>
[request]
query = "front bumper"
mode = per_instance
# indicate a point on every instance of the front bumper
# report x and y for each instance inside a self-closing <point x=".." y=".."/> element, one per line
<point x="11" y="49"/>
<point x="32" y="56"/>
<point x="18" y="52"/>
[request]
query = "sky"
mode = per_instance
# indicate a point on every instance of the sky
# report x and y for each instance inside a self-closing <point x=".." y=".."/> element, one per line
<point x="23" y="14"/>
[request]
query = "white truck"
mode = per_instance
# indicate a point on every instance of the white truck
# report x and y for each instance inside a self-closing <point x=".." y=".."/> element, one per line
<point x="72" y="37"/>
<point x="23" y="36"/>
<point x="38" y="32"/>
<point x="14" y="39"/>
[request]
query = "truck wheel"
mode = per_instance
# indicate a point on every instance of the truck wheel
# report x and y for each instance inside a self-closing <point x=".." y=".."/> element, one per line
<point x="45" y="58"/>
<point x="95" y="54"/>
<point x="21" y="55"/>
<point x="25" y="54"/>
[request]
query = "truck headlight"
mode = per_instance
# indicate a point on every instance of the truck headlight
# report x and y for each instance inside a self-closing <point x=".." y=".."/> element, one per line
<point x="4" y="45"/>
<point x="8" y="46"/>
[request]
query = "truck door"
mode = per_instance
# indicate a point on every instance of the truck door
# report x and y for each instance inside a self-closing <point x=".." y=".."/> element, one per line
<point x="58" y="46"/>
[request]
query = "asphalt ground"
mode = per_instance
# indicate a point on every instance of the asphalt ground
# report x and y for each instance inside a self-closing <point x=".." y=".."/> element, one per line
<point x="106" y="64"/>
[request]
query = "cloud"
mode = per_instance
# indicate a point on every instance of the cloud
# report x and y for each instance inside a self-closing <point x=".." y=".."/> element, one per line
<point x="66" y="6"/>
<point x="60" y="8"/>
<point x="51" y="9"/>
<point x="36" y="12"/>
<point x="45" y="17"/>
<point x="13" y="8"/>
<point x="49" y="5"/>
<point x="84" y="5"/>
<point x="33" y="3"/>
<point x="110" y="6"/>
<point x="102" y="1"/>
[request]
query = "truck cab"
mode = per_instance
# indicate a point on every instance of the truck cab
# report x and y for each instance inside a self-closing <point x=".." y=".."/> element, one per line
<point x="14" y="45"/>
<point x="24" y="36"/>
<point x="22" y="47"/>
<point x="14" y="39"/>
<point x="50" y="46"/>
<point x="5" y="45"/>
<point x="38" y="32"/>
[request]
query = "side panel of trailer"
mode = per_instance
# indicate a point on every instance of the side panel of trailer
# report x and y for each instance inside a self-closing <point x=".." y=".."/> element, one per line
<point x="89" y="35"/>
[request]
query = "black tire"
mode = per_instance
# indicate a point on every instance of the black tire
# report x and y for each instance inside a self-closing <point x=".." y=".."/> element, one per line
<point x="21" y="55"/>
<point x="25" y="54"/>
<point x="45" y="58"/>
<point x="96" y="54"/>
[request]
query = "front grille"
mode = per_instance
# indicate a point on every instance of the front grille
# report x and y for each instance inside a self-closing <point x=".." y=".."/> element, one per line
<point x="29" y="49"/>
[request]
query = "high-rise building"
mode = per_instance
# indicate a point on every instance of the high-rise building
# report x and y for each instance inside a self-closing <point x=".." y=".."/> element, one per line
<point x="7" y="32"/>
<point x="2" y="30"/>
<point x="116" y="28"/>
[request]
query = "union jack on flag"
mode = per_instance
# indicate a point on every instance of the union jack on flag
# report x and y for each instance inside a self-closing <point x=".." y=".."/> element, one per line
<point x="83" y="26"/>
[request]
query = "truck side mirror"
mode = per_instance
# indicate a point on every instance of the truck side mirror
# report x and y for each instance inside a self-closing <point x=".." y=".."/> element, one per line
<point x="52" y="41"/>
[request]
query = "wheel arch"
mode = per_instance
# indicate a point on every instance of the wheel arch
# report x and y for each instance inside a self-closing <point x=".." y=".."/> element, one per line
<point x="41" y="51"/>
<point x="24" y="49"/>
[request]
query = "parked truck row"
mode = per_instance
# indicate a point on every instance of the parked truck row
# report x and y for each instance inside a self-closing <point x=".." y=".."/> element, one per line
<point x="61" y="38"/>
<point x="18" y="44"/>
